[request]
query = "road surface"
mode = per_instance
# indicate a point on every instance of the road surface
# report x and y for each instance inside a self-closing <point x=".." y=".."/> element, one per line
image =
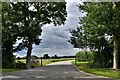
<point x="55" y="71"/>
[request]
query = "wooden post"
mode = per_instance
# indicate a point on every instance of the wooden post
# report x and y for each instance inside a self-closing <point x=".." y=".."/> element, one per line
<point x="41" y="61"/>
<point x="75" y="60"/>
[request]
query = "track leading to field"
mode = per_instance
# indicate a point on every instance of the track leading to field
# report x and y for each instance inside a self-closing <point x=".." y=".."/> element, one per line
<point x="63" y="70"/>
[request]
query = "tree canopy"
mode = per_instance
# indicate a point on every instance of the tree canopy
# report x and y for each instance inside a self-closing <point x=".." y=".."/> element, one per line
<point x="100" y="29"/>
<point x="24" y="20"/>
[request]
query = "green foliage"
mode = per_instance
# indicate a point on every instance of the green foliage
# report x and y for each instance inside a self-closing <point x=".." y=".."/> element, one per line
<point x="81" y="56"/>
<point x="24" y="20"/>
<point x="7" y="37"/>
<point x="34" y="57"/>
<point x="82" y="64"/>
<point x="77" y="38"/>
<point x="30" y="21"/>
<point x="7" y="60"/>
<point x="20" y="65"/>
<point x="100" y="21"/>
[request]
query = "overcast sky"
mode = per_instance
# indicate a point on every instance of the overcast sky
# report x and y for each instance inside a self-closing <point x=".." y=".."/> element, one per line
<point x="55" y="38"/>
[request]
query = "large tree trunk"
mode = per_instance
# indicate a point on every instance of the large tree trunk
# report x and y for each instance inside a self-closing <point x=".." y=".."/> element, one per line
<point x="115" y="47"/>
<point x="115" y="54"/>
<point x="28" y="61"/>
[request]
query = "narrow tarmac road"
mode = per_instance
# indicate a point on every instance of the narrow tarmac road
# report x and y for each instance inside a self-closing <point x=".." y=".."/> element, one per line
<point x="55" y="71"/>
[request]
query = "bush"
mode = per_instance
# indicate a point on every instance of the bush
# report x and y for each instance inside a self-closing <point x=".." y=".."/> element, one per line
<point x="8" y="59"/>
<point x="20" y="65"/>
<point x="81" y="56"/>
<point x="53" y="61"/>
<point x="35" y="63"/>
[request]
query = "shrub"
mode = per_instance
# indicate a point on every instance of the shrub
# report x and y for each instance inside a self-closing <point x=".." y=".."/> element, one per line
<point x="35" y="63"/>
<point x="8" y="59"/>
<point x="20" y="65"/>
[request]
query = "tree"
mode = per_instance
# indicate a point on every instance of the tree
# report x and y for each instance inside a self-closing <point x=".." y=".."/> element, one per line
<point x="30" y="17"/>
<point x="18" y="58"/>
<point x="34" y="57"/>
<point x="81" y="56"/>
<point x="8" y="36"/>
<point x="79" y="40"/>
<point x="104" y="16"/>
<point x="55" y="56"/>
<point x="46" y="56"/>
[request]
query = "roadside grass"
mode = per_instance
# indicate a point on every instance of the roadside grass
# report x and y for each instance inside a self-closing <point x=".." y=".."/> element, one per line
<point x="107" y="72"/>
<point x="103" y="72"/>
<point x="0" y="70"/>
<point x="8" y="70"/>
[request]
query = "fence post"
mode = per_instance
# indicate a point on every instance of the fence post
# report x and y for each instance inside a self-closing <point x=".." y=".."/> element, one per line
<point x="41" y="61"/>
<point x="75" y="60"/>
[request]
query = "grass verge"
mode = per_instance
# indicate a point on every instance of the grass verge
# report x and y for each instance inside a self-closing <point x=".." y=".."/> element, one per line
<point x="8" y="70"/>
<point x="107" y="72"/>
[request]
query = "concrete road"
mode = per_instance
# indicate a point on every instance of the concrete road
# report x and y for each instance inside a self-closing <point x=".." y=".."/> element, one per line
<point x="55" y="71"/>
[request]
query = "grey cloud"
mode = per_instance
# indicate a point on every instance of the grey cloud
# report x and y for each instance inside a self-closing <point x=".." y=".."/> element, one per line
<point x="55" y="38"/>
<point x="53" y="51"/>
<point x="58" y="36"/>
<point x="54" y="31"/>
<point x="54" y="42"/>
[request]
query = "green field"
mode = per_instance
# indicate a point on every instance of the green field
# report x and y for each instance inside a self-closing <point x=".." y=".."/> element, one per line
<point x="98" y="71"/>
<point x="47" y="61"/>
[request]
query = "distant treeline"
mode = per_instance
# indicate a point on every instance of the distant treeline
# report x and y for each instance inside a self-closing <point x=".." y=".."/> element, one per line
<point x="47" y="57"/>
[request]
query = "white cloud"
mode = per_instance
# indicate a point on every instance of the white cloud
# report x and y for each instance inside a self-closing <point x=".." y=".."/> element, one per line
<point x="20" y="53"/>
